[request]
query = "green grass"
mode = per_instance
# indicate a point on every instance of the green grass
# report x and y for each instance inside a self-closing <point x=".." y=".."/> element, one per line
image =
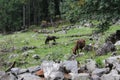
<point x="59" y="51"/>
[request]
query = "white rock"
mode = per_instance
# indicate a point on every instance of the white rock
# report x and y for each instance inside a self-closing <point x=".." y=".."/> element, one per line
<point x="71" y="65"/>
<point x="90" y="65"/>
<point x="117" y="43"/>
<point x="81" y="76"/>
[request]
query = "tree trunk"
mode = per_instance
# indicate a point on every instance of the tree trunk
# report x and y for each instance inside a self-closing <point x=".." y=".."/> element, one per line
<point x="29" y="14"/>
<point x="23" y="16"/>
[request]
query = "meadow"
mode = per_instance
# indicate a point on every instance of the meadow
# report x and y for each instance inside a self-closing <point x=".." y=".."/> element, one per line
<point x="11" y="46"/>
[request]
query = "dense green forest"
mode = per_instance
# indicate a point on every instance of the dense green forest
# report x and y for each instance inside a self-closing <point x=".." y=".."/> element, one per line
<point x="18" y="15"/>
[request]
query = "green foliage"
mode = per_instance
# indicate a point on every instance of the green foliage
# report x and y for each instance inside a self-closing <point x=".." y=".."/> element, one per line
<point x="99" y="63"/>
<point x="60" y="51"/>
<point x="10" y="10"/>
<point x="70" y="10"/>
<point x="103" y="26"/>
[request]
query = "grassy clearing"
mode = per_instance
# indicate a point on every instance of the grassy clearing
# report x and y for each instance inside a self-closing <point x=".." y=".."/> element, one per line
<point x="48" y="52"/>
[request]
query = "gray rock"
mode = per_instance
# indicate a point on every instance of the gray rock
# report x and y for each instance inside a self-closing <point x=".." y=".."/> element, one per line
<point x="90" y="65"/>
<point x="117" y="43"/>
<point x="106" y="47"/>
<point x="13" y="56"/>
<point x="95" y="77"/>
<point x="34" y="69"/>
<point x="28" y="76"/>
<point x="113" y="60"/>
<point x="2" y="73"/>
<point x="56" y="76"/>
<point x="71" y="65"/>
<point x="9" y="76"/>
<point x="35" y="56"/>
<point x="100" y="72"/>
<point x="49" y="67"/>
<point x="113" y="75"/>
<point x="15" y="71"/>
<point x="81" y="76"/>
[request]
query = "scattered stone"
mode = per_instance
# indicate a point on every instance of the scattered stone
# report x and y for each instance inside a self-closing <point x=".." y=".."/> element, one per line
<point x="29" y="76"/>
<point x="66" y="70"/>
<point x="13" y="56"/>
<point x="25" y="48"/>
<point x="81" y="76"/>
<point x="35" y="56"/>
<point x="100" y="72"/>
<point x="90" y="65"/>
<point x="117" y="43"/>
<point x="34" y="69"/>
<point x="2" y="73"/>
<point x="71" y="65"/>
<point x="106" y="47"/>
<point x="94" y="77"/>
<point x="113" y="75"/>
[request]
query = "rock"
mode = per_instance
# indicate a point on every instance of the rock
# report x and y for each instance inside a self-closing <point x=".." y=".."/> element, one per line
<point x="82" y="69"/>
<point x="71" y="65"/>
<point x="27" y="53"/>
<point x="106" y="47"/>
<point x="114" y="53"/>
<point x="15" y="71"/>
<point x="95" y="77"/>
<point x="9" y="76"/>
<point x="2" y="73"/>
<point x="90" y="65"/>
<point x="113" y="75"/>
<point x="35" y="56"/>
<point x="100" y="72"/>
<point x="29" y="76"/>
<point x="13" y="56"/>
<point x="117" y="43"/>
<point x="118" y="67"/>
<point x="25" y="48"/>
<point x="56" y="76"/>
<point x="49" y="67"/>
<point x="118" y="22"/>
<point x="113" y="60"/>
<point x="40" y="73"/>
<point x="88" y="48"/>
<point x="81" y="76"/>
<point x="34" y="69"/>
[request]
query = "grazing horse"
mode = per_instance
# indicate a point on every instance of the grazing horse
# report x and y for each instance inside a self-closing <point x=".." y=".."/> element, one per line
<point x="79" y="45"/>
<point x="49" y="38"/>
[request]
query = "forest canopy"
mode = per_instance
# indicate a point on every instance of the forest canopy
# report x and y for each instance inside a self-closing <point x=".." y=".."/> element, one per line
<point x="17" y="15"/>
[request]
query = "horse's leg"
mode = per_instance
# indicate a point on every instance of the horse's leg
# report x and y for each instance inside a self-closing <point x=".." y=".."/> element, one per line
<point x="46" y="41"/>
<point x="54" y="40"/>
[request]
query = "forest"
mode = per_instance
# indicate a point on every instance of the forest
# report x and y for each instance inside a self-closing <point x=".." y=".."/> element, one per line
<point x="59" y="39"/>
<point x="16" y="15"/>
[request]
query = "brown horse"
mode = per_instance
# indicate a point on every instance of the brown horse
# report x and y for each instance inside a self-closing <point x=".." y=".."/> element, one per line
<point x="79" y="45"/>
<point x="49" y="38"/>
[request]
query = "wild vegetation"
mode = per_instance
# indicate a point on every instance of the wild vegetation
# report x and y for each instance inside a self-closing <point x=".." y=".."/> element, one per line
<point x="25" y="24"/>
<point x="15" y="47"/>
<point x="16" y="15"/>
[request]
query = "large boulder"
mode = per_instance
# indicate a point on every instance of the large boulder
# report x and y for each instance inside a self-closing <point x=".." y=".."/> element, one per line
<point x="113" y="75"/>
<point x="9" y="76"/>
<point x="106" y="47"/>
<point x="71" y="65"/>
<point x="100" y="72"/>
<point x="90" y="65"/>
<point x="81" y="76"/>
<point x="28" y="76"/>
<point x="51" y="68"/>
